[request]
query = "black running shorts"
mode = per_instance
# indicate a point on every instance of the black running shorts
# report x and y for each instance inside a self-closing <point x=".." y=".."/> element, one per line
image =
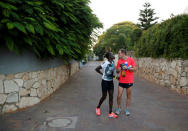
<point x="125" y="85"/>
<point x="107" y="85"/>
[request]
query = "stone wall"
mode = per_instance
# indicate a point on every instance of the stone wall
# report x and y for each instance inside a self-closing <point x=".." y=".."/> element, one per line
<point x="172" y="74"/>
<point x="21" y="90"/>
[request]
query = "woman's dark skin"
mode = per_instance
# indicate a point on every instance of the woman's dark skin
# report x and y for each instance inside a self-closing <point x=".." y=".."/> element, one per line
<point x="104" y="93"/>
<point x="98" y="69"/>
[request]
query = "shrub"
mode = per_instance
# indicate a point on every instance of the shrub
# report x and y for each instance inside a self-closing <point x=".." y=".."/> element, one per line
<point x="168" y="39"/>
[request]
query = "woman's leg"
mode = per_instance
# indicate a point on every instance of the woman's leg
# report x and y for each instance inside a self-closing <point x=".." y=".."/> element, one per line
<point x="110" y="92"/>
<point x="104" y="94"/>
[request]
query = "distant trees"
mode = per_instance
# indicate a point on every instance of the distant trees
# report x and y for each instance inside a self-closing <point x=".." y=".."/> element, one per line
<point x="120" y="35"/>
<point x="147" y="17"/>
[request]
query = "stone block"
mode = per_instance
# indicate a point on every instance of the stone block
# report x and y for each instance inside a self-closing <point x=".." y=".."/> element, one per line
<point x="44" y="82"/>
<point x="172" y="87"/>
<point x="173" y="64"/>
<point x="183" y="81"/>
<point x="49" y="84"/>
<point x="9" y="108"/>
<point x="10" y="86"/>
<point x="43" y="75"/>
<point x="178" y="69"/>
<point x="12" y="97"/>
<point x="28" y="101"/>
<point x="183" y="74"/>
<point x="19" y="82"/>
<point x="24" y="92"/>
<point x="19" y="75"/>
<point x="50" y="90"/>
<point x="186" y="69"/>
<point x="28" y="84"/>
<point x="179" y="63"/>
<point x="33" y="92"/>
<point x="36" y="85"/>
<point x="3" y="98"/>
<point x="185" y="63"/>
<point x="167" y="83"/>
<point x="26" y="77"/>
<point x="173" y="72"/>
<point x="42" y="92"/>
<point x="33" y="75"/>
<point x="173" y="80"/>
<point x="1" y="86"/>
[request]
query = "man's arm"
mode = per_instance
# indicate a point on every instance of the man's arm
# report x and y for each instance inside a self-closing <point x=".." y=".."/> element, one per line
<point x="132" y="68"/>
<point x="98" y="69"/>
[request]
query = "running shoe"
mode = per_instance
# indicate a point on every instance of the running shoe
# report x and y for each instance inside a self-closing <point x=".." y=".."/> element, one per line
<point x="118" y="110"/>
<point x="112" y="115"/>
<point x="127" y="112"/>
<point x="98" y="111"/>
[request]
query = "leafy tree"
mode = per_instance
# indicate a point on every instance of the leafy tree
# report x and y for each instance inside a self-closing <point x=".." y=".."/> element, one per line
<point x="99" y="49"/>
<point x="147" y="18"/>
<point x="50" y="28"/>
<point x="118" y="36"/>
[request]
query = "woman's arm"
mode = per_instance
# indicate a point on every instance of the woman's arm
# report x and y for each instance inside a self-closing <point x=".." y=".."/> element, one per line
<point x="98" y="69"/>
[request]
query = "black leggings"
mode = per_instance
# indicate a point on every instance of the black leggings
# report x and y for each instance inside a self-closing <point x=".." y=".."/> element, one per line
<point x="107" y="86"/>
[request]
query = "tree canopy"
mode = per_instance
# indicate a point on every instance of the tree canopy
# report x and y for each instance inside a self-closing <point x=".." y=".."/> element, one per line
<point x="120" y="35"/>
<point x="50" y="28"/>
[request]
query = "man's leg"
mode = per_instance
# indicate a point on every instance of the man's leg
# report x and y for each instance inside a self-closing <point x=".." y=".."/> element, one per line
<point x="128" y="100"/>
<point x="120" y="93"/>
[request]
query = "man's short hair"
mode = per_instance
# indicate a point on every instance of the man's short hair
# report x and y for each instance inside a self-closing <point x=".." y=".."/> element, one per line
<point x="123" y="51"/>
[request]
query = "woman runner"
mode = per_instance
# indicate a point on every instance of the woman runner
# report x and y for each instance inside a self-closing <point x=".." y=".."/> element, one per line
<point x="107" y="83"/>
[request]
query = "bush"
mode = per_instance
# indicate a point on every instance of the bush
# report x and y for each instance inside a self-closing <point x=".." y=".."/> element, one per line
<point x="168" y="39"/>
<point x="50" y="28"/>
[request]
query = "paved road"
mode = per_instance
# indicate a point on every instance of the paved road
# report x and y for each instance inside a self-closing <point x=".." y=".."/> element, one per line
<point x="153" y="108"/>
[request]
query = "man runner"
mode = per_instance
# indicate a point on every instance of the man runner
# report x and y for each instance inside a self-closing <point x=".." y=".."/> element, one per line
<point x="125" y="66"/>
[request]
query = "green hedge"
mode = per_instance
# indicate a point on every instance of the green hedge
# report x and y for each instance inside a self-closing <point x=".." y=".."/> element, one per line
<point x="50" y="28"/>
<point x="168" y="39"/>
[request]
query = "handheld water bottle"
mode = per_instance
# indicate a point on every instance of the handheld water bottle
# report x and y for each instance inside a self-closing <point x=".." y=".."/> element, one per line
<point x="123" y="72"/>
<point x="126" y="64"/>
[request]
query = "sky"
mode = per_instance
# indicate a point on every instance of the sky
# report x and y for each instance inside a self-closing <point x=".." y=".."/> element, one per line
<point x="111" y="12"/>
